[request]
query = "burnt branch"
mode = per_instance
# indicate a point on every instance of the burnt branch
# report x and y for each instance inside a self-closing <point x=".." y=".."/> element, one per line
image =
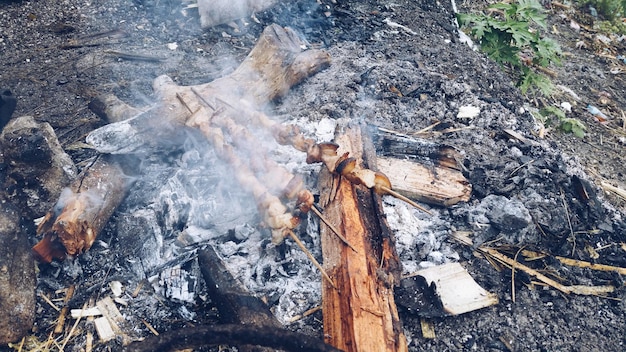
<point x="210" y="335"/>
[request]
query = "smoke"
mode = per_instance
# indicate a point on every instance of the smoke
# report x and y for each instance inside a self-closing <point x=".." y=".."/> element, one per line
<point x="216" y="12"/>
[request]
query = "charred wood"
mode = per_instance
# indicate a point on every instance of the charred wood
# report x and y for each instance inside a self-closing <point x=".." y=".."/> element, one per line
<point x="208" y="335"/>
<point x="81" y="212"/>
<point x="37" y="169"/>
<point x="7" y="106"/>
<point x="234" y="303"/>
<point x="17" y="277"/>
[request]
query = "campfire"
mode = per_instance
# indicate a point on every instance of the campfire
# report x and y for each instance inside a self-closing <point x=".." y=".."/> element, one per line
<point x="210" y="218"/>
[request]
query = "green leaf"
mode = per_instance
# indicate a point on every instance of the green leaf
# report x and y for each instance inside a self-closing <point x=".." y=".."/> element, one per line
<point x="551" y="110"/>
<point x="521" y="34"/>
<point x="497" y="45"/>
<point x="573" y="126"/>
<point x="547" y="51"/>
<point x="531" y="10"/>
<point x="533" y="81"/>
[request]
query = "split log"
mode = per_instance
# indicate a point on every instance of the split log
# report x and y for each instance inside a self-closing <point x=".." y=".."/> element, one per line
<point x="360" y="315"/>
<point x="420" y="169"/>
<point x="81" y="212"/>
<point x="429" y="184"/>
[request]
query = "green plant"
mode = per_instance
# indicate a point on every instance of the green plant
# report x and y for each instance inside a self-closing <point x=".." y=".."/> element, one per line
<point x="610" y="10"/>
<point x="552" y="115"/>
<point x="509" y="35"/>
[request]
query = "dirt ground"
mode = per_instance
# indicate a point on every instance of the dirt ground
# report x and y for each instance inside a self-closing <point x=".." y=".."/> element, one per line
<point x="398" y="65"/>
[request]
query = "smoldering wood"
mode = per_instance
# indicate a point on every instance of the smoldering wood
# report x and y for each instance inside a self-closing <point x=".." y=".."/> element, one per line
<point x="275" y="64"/>
<point x="361" y="314"/>
<point x="235" y="304"/>
<point x="401" y="146"/>
<point x="17" y="277"/>
<point x="81" y="212"/>
<point x="215" y="12"/>
<point x="231" y="334"/>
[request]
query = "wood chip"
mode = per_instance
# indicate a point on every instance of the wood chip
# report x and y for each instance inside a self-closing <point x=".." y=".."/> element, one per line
<point x="428" y="329"/>
<point x="458" y="291"/>
<point x="104" y="329"/>
<point x="87" y="312"/>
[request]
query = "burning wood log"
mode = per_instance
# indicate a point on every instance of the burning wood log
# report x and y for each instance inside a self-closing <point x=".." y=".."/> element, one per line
<point x="361" y="314"/>
<point x="81" y="212"/>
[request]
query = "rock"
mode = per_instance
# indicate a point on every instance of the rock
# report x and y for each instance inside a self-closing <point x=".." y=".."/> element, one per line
<point x="17" y="278"/>
<point x="216" y="12"/>
<point x="507" y="218"/>
<point x="507" y="214"/>
<point x="37" y="169"/>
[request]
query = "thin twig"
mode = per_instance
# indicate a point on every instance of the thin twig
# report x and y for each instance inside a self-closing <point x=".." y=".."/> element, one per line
<point x="426" y="129"/>
<point x="405" y="199"/>
<point x="332" y="228"/>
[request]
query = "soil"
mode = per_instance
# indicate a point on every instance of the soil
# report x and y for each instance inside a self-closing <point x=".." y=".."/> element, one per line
<point x="398" y="65"/>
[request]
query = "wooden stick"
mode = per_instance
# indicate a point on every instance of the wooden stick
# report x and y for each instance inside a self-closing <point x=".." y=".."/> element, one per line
<point x="332" y="228"/>
<point x="312" y="258"/>
<point x="61" y="322"/>
<point x="577" y="289"/>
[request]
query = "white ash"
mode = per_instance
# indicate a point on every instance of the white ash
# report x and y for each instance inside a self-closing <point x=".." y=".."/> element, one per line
<point x="420" y="238"/>
<point x="194" y="201"/>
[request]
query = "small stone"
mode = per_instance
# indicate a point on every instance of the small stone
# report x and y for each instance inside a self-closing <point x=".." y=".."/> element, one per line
<point x="507" y="214"/>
